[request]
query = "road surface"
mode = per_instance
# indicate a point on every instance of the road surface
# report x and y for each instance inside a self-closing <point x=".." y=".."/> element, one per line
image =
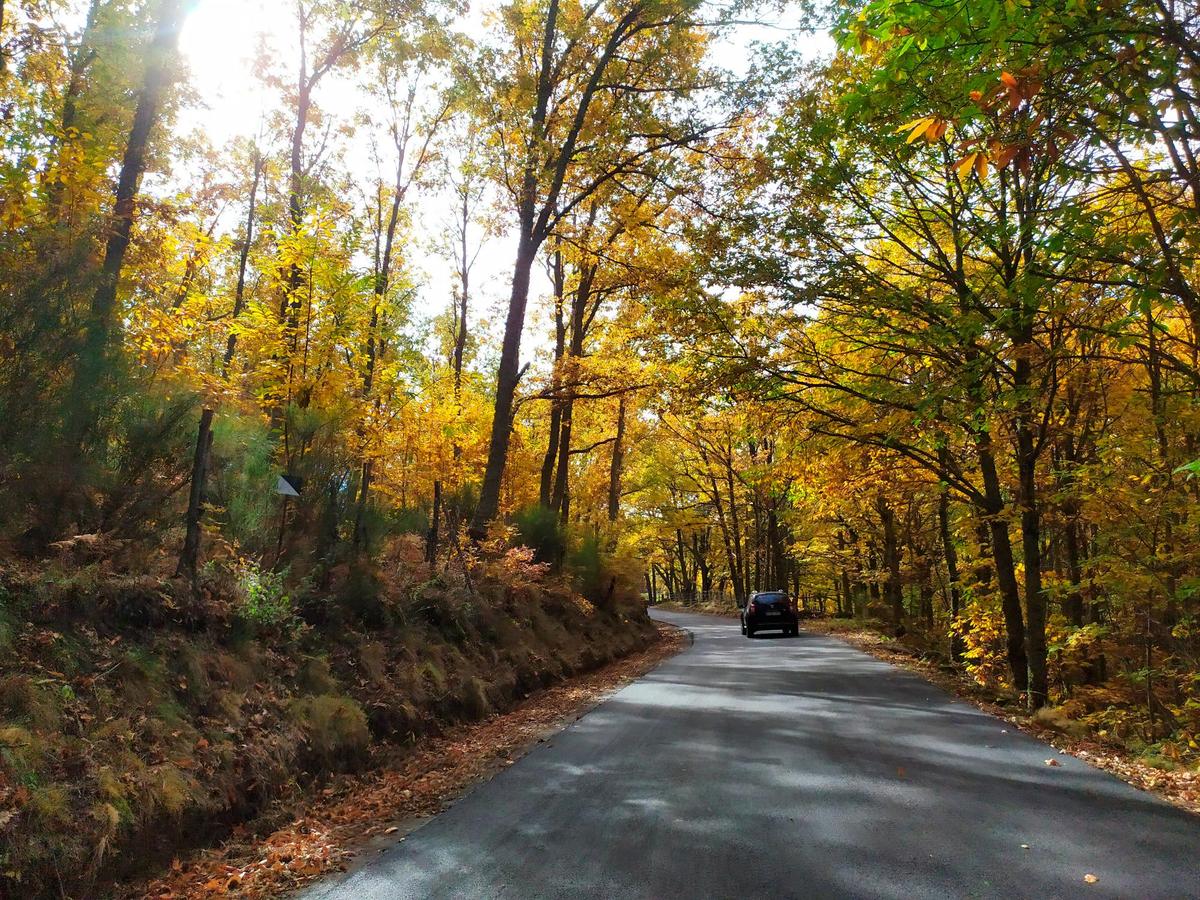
<point x="788" y="768"/>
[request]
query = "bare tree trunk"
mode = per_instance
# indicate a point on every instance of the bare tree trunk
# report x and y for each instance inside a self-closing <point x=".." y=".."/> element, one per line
<point x="464" y="278"/>
<point x="506" y="388"/>
<point x="617" y="465"/>
<point x="950" y="555"/>
<point x="431" y="540"/>
<point x="527" y="249"/>
<point x="191" y="542"/>
<point x="577" y="333"/>
<point x="891" y="559"/>
<point x="550" y="460"/>
<point x="1002" y="559"/>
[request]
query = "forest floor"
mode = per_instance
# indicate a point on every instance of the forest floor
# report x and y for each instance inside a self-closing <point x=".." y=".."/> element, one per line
<point x="356" y="815"/>
<point x="1179" y="786"/>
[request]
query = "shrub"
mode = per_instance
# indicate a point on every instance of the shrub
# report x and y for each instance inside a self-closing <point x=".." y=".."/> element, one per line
<point x="586" y="563"/>
<point x="538" y="528"/>
<point x="981" y="629"/>
<point x="265" y="600"/>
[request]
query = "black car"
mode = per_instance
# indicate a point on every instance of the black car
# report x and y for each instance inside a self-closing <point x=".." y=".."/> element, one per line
<point x="767" y="610"/>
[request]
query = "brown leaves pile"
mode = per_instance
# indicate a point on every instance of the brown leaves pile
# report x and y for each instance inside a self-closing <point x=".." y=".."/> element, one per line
<point x="335" y="825"/>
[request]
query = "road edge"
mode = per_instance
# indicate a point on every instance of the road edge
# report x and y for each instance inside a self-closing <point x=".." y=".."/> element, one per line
<point x="1179" y="789"/>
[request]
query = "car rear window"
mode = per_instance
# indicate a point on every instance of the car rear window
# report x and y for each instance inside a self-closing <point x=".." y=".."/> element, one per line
<point x="770" y="598"/>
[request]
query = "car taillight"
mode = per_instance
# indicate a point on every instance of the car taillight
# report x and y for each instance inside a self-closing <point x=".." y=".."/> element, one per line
<point x="753" y="606"/>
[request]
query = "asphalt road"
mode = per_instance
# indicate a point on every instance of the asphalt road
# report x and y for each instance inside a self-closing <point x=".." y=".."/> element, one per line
<point x="789" y="768"/>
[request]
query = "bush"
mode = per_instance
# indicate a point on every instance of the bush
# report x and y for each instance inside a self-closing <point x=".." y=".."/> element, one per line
<point x="265" y="601"/>
<point x="243" y="480"/>
<point x="586" y="563"/>
<point x="538" y="528"/>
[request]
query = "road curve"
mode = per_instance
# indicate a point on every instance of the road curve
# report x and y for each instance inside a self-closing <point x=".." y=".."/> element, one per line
<point x="789" y="768"/>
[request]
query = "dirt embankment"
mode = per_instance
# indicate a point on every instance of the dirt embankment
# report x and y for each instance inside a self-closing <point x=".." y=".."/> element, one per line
<point x="356" y="815"/>
<point x="138" y="721"/>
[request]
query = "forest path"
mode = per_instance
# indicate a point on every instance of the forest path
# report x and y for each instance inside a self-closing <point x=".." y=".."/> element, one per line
<point x="789" y="767"/>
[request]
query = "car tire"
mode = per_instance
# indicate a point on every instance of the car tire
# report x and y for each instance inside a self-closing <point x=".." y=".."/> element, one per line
<point x="749" y="631"/>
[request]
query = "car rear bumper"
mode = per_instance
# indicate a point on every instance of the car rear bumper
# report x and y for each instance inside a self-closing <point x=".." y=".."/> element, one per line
<point x="784" y="622"/>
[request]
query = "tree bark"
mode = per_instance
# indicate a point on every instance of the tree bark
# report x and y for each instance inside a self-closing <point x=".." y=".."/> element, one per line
<point x="96" y="352"/>
<point x="550" y="460"/>
<point x="893" y="594"/>
<point x="431" y="540"/>
<point x="617" y="465"/>
<point x="507" y="378"/>
<point x="1031" y="546"/>
<point x="1002" y="559"/>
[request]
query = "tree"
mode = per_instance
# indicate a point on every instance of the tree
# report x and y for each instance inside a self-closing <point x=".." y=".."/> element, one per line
<point x="588" y="110"/>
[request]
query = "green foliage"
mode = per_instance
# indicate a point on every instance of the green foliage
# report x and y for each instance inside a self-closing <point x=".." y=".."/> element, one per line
<point x="243" y="480"/>
<point x="538" y="528"/>
<point x="586" y="562"/>
<point x="266" y="601"/>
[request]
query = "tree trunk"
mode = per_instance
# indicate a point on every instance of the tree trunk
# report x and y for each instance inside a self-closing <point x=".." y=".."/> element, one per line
<point x="1002" y="559"/>
<point x="550" y="459"/>
<point x="1031" y="547"/>
<point x="506" y="388"/>
<point x="531" y="239"/>
<point x="431" y="540"/>
<point x="464" y="277"/>
<point x="191" y="542"/>
<point x="96" y="351"/>
<point x="950" y="555"/>
<point x="617" y="465"/>
<point x="893" y="593"/>
<point x="577" y="334"/>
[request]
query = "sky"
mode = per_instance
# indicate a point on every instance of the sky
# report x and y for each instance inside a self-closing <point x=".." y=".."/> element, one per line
<point x="218" y="44"/>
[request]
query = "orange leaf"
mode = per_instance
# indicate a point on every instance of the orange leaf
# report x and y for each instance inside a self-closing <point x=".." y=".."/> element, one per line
<point x="1008" y="79"/>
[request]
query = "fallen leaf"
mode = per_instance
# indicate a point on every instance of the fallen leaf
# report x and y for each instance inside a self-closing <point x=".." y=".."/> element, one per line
<point x="1052" y="762"/>
<point x="391" y="830"/>
<point x="1090" y="878"/>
